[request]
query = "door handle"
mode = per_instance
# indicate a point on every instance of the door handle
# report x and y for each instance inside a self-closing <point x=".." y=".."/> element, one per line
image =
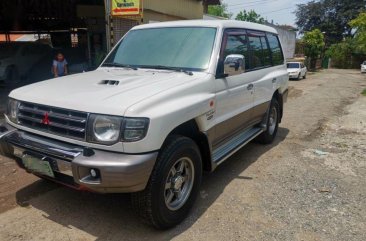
<point x="274" y="80"/>
<point x="250" y="86"/>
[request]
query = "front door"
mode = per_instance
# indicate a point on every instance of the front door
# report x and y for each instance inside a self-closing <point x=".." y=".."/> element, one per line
<point x="234" y="93"/>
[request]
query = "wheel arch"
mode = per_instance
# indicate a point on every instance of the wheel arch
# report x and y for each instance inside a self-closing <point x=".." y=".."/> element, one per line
<point x="190" y="129"/>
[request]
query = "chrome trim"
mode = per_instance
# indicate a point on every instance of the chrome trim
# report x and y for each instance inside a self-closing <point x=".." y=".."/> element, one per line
<point x="63" y="122"/>
<point x="70" y="128"/>
<point x="54" y="115"/>
<point x="43" y="145"/>
<point x="226" y="150"/>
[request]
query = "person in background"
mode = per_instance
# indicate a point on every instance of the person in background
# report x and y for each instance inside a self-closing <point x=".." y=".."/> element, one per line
<point x="59" y="66"/>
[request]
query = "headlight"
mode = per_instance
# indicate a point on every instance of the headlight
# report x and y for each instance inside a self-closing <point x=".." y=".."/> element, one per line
<point x="134" y="129"/>
<point x="12" y="110"/>
<point x="108" y="130"/>
<point x="104" y="129"/>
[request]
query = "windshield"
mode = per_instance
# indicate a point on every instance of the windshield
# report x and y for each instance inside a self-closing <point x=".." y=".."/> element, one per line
<point x="364" y="62"/>
<point x="293" y="65"/>
<point x="186" y="48"/>
<point x="7" y="50"/>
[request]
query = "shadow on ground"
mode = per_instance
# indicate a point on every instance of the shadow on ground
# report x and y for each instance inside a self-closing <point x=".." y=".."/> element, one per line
<point x="111" y="216"/>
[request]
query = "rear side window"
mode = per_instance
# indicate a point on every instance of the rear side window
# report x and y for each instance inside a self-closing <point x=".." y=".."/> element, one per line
<point x="256" y="53"/>
<point x="274" y="44"/>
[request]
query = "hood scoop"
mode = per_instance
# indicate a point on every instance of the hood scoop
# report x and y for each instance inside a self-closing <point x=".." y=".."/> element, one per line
<point x="109" y="82"/>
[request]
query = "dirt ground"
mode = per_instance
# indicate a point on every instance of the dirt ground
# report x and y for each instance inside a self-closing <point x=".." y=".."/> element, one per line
<point x="309" y="185"/>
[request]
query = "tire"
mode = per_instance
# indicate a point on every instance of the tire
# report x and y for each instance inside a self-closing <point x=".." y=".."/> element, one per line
<point x="299" y="77"/>
<point x="155" y="204"/>
<point x="304" y="77"/>
<point x="272" y="121"/>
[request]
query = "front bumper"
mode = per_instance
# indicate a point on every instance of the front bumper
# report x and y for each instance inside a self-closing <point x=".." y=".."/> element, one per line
<point x="71" y="164"/>
<point x="293" y="75"/>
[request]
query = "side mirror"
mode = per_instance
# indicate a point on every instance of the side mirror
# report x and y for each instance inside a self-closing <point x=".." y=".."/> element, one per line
<point x="234" y="64"/>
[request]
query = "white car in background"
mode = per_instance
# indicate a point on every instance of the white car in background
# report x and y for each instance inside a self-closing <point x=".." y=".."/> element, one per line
<point x="18" y="58"/>
<point x="363" y="67"/>
<point x="296" y="70"/>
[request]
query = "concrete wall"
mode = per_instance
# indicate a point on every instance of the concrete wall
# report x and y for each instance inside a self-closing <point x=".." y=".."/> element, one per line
<point x="288" y="40"/>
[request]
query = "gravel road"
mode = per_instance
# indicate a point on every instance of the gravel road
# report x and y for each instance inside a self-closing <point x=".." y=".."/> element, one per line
<point x="309" y="185"/>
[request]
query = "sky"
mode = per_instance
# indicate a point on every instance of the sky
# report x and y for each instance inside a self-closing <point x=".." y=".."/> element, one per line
<point x="280" y="11"/>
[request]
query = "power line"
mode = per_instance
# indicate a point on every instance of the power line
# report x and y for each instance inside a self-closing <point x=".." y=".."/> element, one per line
<point x="251" y="5"/>
<point x="278" y="10"/>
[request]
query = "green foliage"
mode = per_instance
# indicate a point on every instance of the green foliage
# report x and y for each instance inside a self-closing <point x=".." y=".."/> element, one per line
<point x="330" y="16"/>
<point x="313" y="43"/>
<point x="341" y="53"/>
<point x="250" y="16"/>
<point x="363" y="92"/>
<point x="359" y="24"/>
<point x="219" y="10"/>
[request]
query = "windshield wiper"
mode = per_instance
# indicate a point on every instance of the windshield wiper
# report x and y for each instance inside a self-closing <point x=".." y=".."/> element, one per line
<point x="177" y="69"/>
<point x="114" y="64"/>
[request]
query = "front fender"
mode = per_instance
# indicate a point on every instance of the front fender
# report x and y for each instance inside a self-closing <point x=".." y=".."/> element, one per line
<point x="166" y="116"/>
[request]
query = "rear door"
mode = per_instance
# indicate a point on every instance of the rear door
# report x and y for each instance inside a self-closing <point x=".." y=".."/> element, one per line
<point x="270" y="75"/>
<point x="261" y="72"/>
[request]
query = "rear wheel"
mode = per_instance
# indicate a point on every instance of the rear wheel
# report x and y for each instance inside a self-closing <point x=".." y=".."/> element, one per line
<point x="273" y="117"/>
<point x="173" y="185"/>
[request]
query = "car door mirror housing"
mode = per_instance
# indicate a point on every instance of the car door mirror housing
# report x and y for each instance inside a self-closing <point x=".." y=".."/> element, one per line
<point x="234" y="64"/>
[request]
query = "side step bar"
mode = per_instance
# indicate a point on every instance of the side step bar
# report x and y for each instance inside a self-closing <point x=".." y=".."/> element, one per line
<point x="227" y="149"/>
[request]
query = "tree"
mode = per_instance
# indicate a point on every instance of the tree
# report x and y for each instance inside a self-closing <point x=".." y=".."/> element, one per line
<point x="250" y="16"/>
<point x="219" y="10"/>
<point x="330" y="16"/>
<point x="341" y="53"/>
<point x="359" y="25"/>
<point x="313" y="45"/>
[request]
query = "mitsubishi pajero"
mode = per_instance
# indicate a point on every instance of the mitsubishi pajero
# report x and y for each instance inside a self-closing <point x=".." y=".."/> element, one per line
<point x="170" y="101"/>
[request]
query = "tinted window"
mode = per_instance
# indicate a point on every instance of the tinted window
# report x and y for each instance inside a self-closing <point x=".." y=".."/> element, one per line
<point x="181" y="47"/>
<point x="274" y="44"/>
<point x="266" y="52"/>
<point x="256" y="53"/>
<point x="236" y="45"/>
<point x="293" y="65"/>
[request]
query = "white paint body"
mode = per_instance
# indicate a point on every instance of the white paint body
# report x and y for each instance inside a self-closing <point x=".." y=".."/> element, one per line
<point x="166" y="97"/>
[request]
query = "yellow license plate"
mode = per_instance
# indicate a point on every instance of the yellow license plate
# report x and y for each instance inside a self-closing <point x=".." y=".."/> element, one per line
<point x="36" y="165"/>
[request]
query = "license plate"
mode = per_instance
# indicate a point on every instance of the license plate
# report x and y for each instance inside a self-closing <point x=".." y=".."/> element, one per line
<point x="36" y="165"/>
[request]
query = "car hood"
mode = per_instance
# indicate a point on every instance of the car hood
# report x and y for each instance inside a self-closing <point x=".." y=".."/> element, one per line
<point x="86" y="91"/>
<point x="293" y="70"/>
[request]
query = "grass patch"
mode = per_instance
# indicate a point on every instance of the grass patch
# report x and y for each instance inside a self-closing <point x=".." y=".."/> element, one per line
<point x="363" y="92"/>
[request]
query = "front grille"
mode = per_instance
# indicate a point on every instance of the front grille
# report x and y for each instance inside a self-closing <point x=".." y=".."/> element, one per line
<point x="62" y="122"/>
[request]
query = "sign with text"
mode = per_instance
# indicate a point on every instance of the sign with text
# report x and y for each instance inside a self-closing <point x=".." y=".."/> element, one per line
<point x="125" y="7"/>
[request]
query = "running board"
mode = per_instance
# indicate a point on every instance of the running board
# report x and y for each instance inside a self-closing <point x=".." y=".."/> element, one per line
<point x="229" y="148"/>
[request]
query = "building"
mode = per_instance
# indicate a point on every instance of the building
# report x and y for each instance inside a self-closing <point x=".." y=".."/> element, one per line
<point x="90" y="23"/>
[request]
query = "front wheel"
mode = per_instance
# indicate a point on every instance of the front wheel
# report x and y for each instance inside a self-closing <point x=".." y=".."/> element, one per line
<point x="173" y="185"/>
<point x="272" y="121"/>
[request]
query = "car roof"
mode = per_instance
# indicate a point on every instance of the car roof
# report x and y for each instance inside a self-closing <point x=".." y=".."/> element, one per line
<point x="294" y="62"/>
<point x="209" y="23"/>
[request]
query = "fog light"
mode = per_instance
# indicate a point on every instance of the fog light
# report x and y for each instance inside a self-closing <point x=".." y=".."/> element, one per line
<point x="94" y="173"/>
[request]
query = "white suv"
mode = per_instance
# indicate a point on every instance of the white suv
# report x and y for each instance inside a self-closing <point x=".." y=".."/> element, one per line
<point x="170" y="101"/>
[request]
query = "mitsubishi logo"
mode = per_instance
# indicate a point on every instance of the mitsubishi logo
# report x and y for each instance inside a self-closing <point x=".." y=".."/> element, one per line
<point x="45" y="119"/>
